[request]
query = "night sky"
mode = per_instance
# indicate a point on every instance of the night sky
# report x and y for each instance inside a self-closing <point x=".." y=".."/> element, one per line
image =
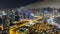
<point x="9" y="3"/>
<point x="14" y="3"/>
